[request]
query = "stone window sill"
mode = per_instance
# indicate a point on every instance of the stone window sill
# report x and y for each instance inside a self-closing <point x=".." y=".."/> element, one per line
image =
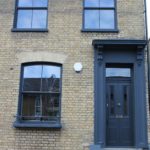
<point x="103" y="31"/>
<point x="29" y="30"/>
<point x="37" y="125"/>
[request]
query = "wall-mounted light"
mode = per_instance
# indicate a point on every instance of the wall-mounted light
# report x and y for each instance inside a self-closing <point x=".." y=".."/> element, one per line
<point x="78" y="67"/>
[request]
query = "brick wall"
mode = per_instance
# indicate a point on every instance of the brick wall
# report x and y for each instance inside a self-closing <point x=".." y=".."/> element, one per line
<point x="65" y="40"/>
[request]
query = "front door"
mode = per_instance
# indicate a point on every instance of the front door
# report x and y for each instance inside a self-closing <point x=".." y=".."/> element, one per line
<point x="119" y="104"/>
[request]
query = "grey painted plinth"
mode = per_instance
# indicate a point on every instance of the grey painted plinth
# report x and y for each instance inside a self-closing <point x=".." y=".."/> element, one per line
<point x="98" y="147"/>
<point x="95" y="147"/>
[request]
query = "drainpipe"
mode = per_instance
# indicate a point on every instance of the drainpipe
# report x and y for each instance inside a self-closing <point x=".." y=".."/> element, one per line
<point x="146" y="38"/>
<point x="148" y="54"/>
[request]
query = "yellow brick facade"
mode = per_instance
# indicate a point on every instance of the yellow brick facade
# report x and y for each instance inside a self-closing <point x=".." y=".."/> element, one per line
<point x="63" y="43"/>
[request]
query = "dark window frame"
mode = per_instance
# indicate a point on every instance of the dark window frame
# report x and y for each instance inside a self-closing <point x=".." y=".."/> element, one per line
<point x="100" y="8"/>
<point x="17" y="7"/>
<point x="20" y="123"/>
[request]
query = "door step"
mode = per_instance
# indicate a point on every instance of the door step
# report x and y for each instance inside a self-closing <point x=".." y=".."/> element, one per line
<point x="97" y="147"/>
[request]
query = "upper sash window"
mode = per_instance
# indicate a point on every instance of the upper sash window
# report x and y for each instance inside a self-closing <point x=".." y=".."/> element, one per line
<point x="99" y="15"/>
<point x="31" y="14"/>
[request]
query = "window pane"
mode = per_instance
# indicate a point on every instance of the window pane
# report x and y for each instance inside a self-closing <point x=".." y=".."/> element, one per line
<point x="51" y="78"/>
<point x="38" y="106"/>
<point x="24" y="19"/>
<point x="91" y="20"/>
<point x="112" y="101"/>
<point x="118" y="72"/>
<point x="91" y="3"/>
<point x="28" y="106"/>
<point x="107" y="19"/>
<point x="107" y="3"/>
<point x="25" y="3"/>
<point x="39" y="19"/>
<point x="50" y="106"/>
<point x="32" y="78"/>
<point x="40" y="3"/>
<point x="125" y="103"/>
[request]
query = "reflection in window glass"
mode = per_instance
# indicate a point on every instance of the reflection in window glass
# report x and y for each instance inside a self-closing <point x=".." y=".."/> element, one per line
<point x="91" y="3"/>
<point x="49" y="71"/>
<point x="118" y="72"/>
<point x="24" y="19"/>
<point x="41" y="92"/>
<point x="37" y="106"/>
<point x="39" y="19"/>
<point x="107" y="19"/>
<point x="25" y="3"/>
<point x="51" y="78"/>
<point x="50" y="106"/>
<point x="32" y="78"/>
<point x="31" y="14"/>
<point x="99" y="14"/>
<point x="106" y="3"/>
<point x="32" y="19"/>
<point x="32" y="71"/>
<point x="40" y="3"/>
<point x="32" y="3"/>
<point x="91" y="19"/>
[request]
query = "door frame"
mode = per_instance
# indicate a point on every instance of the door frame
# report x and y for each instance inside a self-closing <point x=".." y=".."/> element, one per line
<point x="120" y="52"/>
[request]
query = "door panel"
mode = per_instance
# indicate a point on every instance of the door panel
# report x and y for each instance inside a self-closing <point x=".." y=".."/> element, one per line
<point x="119" y="121"/>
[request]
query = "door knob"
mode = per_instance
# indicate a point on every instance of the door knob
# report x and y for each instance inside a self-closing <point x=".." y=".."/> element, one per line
<point x="118" y="104"/>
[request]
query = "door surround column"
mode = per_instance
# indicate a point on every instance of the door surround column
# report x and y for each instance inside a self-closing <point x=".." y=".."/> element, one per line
<point x="136" y="48"/>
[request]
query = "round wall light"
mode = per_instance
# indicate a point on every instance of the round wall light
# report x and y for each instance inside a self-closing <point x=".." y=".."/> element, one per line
<point x="78" y="67"/>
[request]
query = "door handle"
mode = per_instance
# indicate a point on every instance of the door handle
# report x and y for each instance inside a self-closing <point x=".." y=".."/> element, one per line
<point x="118" y="104"/>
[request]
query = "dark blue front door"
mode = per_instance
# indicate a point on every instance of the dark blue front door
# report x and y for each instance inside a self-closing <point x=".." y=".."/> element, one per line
<point x="119" y="121"/>
<point x="126" y="59"/>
